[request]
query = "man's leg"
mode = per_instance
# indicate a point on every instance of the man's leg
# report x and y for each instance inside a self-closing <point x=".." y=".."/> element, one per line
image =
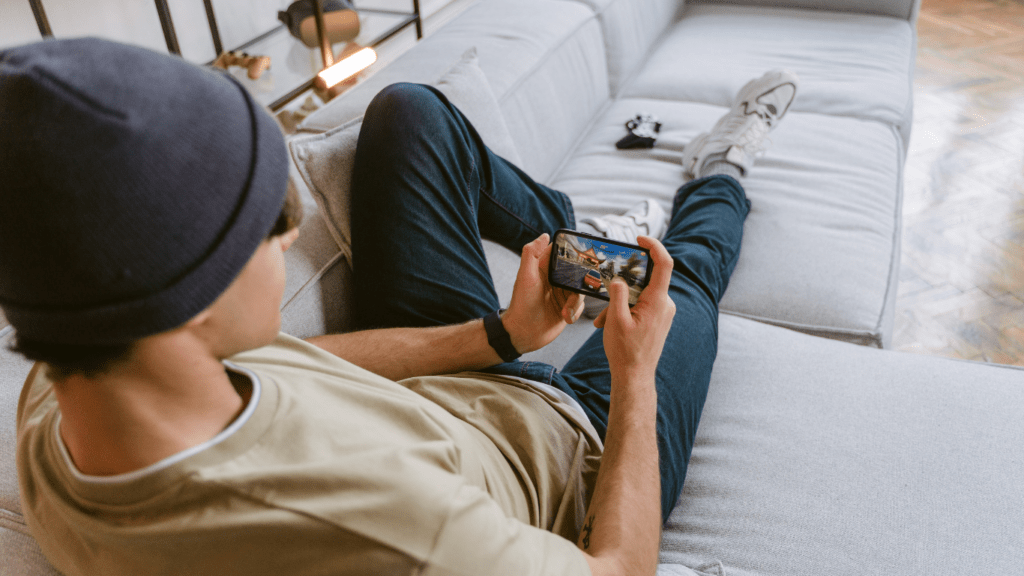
<point x="703" y="238"/>
<point x="424" y="190"/>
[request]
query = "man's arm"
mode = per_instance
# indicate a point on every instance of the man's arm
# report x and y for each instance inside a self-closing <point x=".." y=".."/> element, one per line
<point x="622" y="530"/>
<point x="536" y="315"/>
<point x="398" y="353"/>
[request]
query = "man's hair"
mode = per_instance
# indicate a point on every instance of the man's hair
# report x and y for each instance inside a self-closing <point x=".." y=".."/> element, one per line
<point x="291" y="213"/>
<point x="65" y="360"/>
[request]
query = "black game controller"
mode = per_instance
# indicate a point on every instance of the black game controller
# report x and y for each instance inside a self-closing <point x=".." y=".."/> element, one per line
<point x="643" y="129"/>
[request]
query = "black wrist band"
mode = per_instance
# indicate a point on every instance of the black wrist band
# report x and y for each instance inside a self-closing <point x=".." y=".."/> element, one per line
<point x="498" y="337"/>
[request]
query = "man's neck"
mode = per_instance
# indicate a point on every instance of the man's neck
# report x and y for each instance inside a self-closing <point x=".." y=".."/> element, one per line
<point x="173" y="395"/>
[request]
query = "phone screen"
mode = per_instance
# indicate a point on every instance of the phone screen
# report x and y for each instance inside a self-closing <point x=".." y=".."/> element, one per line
<point x="587" y="264"/>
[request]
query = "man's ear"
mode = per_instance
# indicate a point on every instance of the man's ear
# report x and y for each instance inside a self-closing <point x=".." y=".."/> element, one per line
<point x="198" y="319"/>
<point x="288" y="238"/>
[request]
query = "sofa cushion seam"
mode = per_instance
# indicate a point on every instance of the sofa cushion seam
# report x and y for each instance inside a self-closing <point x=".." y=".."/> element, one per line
<point x="862" y="118"/>
<point x="676" y="19"/>
<point x="801" y="327"/>
<point x="13" y="521"/>
<point x="894" y="256"/>
<point x="907" y="116"/>
<point x="811" y="9"/>
<point x="580" y="139"/>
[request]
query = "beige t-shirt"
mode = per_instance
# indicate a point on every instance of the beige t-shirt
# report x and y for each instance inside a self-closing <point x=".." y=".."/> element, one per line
<point x="329" y="470"/>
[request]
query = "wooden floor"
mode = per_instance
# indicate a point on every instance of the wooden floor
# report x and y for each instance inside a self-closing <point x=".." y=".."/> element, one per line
<point x="961" y="291"/>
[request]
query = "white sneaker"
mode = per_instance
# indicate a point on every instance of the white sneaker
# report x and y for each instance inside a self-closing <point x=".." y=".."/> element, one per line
<point x="644" y="219"/>
<point x="740" y="134"/>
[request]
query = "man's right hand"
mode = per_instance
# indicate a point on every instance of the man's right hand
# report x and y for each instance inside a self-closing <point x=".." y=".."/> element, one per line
<point x="623" y="525"/>
<point x="634" y="337"/>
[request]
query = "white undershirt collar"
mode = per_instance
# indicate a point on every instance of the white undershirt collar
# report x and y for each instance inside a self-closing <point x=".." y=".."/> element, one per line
<point x="174" y="458"/>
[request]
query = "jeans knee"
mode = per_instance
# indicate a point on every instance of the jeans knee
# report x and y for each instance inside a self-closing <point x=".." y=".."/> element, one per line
<point x="401" y="113"/>
<point x="403" y="102"/>
<point x="719" y="187"/>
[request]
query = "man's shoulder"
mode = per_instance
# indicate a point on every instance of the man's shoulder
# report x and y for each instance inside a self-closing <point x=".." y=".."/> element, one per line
<point x="285" y="348"/>
<point x="37" y="398"/>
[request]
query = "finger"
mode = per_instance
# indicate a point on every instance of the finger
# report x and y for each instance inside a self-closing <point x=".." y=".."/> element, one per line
<point x="572" y="307"/>
<point x="618" y="305"/>
<point x="560" y="296"/>
<point x="539" y="245"/>
<point x="532" y="252"/>
<point x="580" y="304"/>
<point x="602" y="317"/>
<point x="661" y="277"/>
<point x="544" y="256"/>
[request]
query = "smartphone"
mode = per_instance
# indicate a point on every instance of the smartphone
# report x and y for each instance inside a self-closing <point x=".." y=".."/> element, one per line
<point x="586" y="264"/>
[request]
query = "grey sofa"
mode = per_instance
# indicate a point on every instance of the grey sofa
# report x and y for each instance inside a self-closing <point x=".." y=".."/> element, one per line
<point x="819" y="452"/>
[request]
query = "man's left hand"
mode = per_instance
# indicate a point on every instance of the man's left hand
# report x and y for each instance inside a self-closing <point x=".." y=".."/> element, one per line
<point x="538" y="312"/>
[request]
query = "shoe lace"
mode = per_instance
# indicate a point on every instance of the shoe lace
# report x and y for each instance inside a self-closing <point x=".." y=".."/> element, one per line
<point x="739" y="130"/>
<point x="765" y="111"/>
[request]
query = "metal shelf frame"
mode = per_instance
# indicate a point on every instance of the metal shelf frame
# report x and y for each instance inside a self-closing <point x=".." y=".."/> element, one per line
<point x="327" y="54"/>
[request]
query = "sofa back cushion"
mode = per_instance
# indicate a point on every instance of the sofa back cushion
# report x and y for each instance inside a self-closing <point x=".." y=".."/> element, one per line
<point x="630" y="28"/>
<point x="903" y="9"/>
<point x="544" y="61"/>
<point x="466" y="86"/>
<point x="318" y="277"/>
<point x="551" y="106"/>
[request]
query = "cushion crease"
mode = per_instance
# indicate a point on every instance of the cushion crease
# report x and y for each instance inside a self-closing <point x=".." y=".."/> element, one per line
<point x="316" y="277"/>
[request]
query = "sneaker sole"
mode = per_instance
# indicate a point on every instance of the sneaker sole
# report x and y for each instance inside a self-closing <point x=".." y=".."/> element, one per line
<point x="774" y="79"/>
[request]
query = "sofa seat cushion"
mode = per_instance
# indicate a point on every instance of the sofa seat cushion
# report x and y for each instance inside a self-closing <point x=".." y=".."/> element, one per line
<point x="820" y="248"/>
<point x="852" y="65"/>
<point x="817" y="457"/>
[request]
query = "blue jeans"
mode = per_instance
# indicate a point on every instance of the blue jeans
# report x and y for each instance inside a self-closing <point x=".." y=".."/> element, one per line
<point x="425" y="190"/>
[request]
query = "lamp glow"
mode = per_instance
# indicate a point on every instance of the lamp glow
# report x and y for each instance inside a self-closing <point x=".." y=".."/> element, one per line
<point x="346" y="68"/>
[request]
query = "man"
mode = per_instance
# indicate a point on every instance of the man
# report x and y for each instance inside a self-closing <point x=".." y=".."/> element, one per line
<point x="170" y="429"/>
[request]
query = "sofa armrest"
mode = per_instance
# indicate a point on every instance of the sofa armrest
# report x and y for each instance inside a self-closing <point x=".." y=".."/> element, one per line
<point x="902" y="9"/>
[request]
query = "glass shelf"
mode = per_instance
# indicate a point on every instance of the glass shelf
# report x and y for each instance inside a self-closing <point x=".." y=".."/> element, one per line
<point x="293" y="65"/>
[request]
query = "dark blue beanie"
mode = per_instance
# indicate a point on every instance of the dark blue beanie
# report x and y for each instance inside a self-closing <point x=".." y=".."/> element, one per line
<point x="134" y="187"/>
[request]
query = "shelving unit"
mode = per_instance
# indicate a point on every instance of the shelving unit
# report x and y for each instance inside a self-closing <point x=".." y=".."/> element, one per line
<point x="293" y="65"/>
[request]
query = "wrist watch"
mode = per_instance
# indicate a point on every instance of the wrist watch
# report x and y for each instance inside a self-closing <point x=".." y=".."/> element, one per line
<point x="498" y="337"/>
